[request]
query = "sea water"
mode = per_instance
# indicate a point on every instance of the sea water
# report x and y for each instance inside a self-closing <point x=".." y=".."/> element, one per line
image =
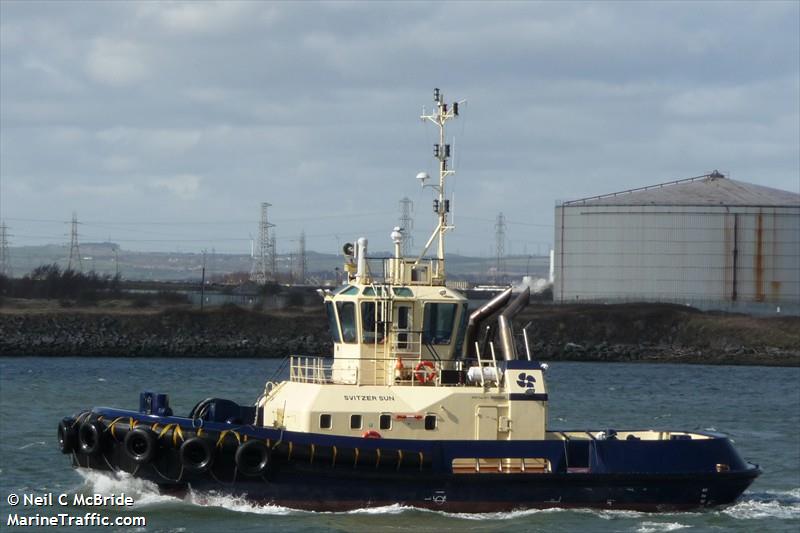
<point x="758" y="407"/>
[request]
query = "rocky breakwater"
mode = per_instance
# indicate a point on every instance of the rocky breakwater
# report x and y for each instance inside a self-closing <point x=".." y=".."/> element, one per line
<point x="659" y="332"/>
<point x="176" y="333"/>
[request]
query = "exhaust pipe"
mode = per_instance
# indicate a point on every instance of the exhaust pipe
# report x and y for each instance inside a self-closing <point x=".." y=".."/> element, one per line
<point x="478" y="316"/>
<point x="507" y="329"/>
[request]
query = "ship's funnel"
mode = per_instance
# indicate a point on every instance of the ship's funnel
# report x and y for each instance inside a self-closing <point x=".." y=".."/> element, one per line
<point x="480" y="315"/>
<point x="361" y="258"/>
<point x="505" y="326"/>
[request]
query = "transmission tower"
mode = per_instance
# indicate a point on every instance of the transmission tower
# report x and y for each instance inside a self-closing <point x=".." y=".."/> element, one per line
<point x="74" y="249"/>
<point x="5" y="257"/>
<point x="406" y="224"/>
<point x="500" y="243"/>
<point x="273" y="255"/>
<point x="302" y="260"/>
<point x="261" y="271"/>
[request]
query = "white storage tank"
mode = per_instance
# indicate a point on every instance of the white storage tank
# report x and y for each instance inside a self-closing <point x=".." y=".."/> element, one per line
<point x="710" y="242"/>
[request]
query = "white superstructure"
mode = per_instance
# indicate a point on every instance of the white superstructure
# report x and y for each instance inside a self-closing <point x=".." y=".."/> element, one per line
<point x="406" y="362"/>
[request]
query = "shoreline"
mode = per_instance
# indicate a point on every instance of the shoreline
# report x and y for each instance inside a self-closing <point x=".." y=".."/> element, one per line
<point x="646" y="333"/>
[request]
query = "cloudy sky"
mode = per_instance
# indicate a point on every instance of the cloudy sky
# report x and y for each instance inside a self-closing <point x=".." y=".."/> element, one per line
<point x="164" y="125"/>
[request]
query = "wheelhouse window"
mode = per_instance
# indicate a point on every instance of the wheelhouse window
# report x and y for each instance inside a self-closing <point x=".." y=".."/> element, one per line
<point x="371" y="327"/>
<point x="347" y="317"/>
<point x="348" y="290"/>
<point x="462" y="328"/>
<point x="325" y="421"/>
<point x="438" y="323"/>
<point x="369" y="291"/>
<point x="403" y="291"/>
<point x="332" y="324"/>
<point x="385" y="422"/>
<point x="355" y="421"/>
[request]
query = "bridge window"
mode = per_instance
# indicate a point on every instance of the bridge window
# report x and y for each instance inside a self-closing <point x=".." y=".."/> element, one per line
<point x="403" y="291"/>
<point x="332" y="324"/>
<point x="325" y="421"/>
<point x="355" y="421"/>
<point x="348" y="290"/>
<point x="347" y="317"/>
<point x="438" y="323"/>
<point x="370" y="318"/>
<point x="462" y="328"/>
<point x="369" y="291"/>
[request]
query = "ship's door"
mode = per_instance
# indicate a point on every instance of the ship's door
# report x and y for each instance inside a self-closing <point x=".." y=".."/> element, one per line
<point x="403" y="321"/>
<point x="486" y="423"/>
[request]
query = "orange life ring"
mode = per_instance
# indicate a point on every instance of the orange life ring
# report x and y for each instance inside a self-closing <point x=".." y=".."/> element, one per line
<point x="371" y="434"/>
<point x="425" y="372"/>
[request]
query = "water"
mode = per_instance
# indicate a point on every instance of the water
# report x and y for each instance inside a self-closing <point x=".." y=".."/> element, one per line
<point x="759" y="407"/>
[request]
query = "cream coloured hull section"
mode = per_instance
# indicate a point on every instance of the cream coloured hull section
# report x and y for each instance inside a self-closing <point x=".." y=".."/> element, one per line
<point x="461" y="413"/>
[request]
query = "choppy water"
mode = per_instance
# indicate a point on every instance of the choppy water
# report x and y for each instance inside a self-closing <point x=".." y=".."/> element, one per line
<point x="759" y="407"/>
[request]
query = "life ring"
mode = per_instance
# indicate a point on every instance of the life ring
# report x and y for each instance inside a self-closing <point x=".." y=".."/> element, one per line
<point x="90" y="437"/>
<point x="371" y="434"/>
<point x="252" y="458"/>
<point x="67" y="435"/>
<point x="196" y="454"/>
<point x="425" y="372"/>
<point x="140" y="445"/>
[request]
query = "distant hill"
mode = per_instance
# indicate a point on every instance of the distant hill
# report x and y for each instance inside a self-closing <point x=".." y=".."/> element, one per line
<point x="110" y="258"/>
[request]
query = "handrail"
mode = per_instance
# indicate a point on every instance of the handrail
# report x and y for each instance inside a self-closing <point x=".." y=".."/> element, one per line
<point x="361" y="371"/>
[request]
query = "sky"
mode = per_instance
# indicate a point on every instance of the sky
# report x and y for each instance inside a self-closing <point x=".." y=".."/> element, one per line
<point x="164" y="125"/>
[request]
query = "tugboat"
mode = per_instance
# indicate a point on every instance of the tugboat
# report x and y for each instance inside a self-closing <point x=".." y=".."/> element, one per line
<point x="422" y="403"/>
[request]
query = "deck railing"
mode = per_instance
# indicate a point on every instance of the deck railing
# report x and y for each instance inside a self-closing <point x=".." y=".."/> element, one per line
<point x="402" y="371"/>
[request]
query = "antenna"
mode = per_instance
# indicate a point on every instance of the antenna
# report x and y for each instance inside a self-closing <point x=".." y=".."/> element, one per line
<point x="74" y="249"/>
<point x="442" y="152"/>
<point x="261" y="272"/>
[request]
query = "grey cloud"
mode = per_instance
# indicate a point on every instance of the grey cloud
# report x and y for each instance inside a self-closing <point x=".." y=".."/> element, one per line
<point x="184" y="111"/>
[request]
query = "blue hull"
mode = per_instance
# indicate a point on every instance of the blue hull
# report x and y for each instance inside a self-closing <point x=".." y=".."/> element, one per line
<point x="327" y="473"/>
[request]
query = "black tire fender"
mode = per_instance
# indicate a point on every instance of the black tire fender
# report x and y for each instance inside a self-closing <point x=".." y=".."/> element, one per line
<point x="67" y="435"/>
<point x="90" y="437"/>
<point x="196" y="454"/>
<point x="140" y="445"/>
<point x="252" y="458"/>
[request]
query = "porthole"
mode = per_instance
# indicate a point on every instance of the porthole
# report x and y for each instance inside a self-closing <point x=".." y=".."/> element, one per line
<point x="386" y="422"/>
<point x="325" y="421"/>
<point x="430" y="422"/>
<point x="355" y="421"/>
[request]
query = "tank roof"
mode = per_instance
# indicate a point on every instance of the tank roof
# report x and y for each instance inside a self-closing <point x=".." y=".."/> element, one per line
<point x="710" y="190"/>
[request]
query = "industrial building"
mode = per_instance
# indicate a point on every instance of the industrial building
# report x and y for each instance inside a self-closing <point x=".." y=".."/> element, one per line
<point x="709" y="241"/>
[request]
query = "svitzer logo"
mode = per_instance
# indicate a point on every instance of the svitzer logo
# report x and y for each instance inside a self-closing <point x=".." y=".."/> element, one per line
<point x="526" y="381"/>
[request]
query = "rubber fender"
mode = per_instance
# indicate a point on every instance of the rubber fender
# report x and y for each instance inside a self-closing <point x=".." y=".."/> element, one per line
<point x="90" y="437"/>
<point x="140" y="445"/>
<point x="67" y="435"/>
<point x="196" y="454"/>
<point x="252" y="458"/>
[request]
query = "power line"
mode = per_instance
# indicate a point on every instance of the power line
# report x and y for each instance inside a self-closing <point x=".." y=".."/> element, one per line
<point x="262" y="270"/>
<point x="5" y="257"/>
<point x="302" y="264"/>
<point x="500" y="243"/>
<point x="407" y="224"/>
<point x="74" y="249"/>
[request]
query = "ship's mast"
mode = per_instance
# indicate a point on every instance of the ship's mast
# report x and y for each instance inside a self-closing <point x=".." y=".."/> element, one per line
<point x="441" y="151"/>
